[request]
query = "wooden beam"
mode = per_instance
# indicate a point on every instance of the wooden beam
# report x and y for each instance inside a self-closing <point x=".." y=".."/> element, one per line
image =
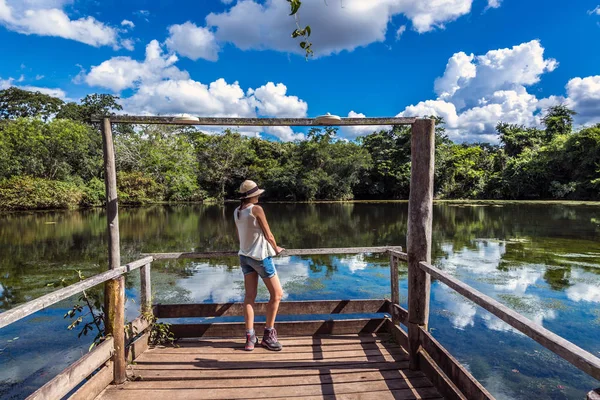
<point x="420" y="213"/>
<point x="225" y="121"/>
<point x="394" y="285"/>
<point x="72" y="376"/>
<point x="399" y="255"/>
<point x="440" y="380"/>
<point x="580" y="358"/>
<point x="145" y="289"/>
<point x="398" y="334"/>
<point x="295" y="328"/>
<point x="139" y="263"/>
<point x="285" y="308"/>
<point x="400" y="314"/>
<point x="287" y="252"/>
<point x="95" y="384"/>
<point x="452" y="368"/>
<point x="114" y="298"/>
<point x="136" y="328"/>
<point x="22" y="311"/>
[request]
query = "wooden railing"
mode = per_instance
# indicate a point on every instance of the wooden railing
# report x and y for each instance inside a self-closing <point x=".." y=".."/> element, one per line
<point x="109" y="360"/>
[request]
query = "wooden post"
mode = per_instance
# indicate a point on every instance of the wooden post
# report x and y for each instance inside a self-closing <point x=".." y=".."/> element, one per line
<point x="420" y="210"/>
<point x="114" y="290"/>
<point x="145" y="289"/>
<point x="394" y="286"/>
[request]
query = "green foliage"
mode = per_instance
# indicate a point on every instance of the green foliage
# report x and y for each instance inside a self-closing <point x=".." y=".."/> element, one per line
<point x="135" y="188"/>
<point x="160" y="332"/>
<point x="27" y="193"/>
<point x="303" y="33"/>
<point x="19" y="103"/>
<point x="58" y="163"/>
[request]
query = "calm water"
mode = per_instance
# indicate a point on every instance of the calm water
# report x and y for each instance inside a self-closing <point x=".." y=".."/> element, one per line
<point x="541" y="260"/>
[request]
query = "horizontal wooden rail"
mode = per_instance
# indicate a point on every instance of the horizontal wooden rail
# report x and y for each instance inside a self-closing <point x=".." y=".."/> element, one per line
<point x="399" y="254"/>
<point x="284" y="328"/>
<point x="458" y="374"/>
<point x="224" y="121"/>
<point x="287" y="252"/>
<point x="398" y="313"/>
<point x="22" y="311"/>
<point x="285" y="308"/>
<point x="67" y="380"/>
<point x="580" y="358"/>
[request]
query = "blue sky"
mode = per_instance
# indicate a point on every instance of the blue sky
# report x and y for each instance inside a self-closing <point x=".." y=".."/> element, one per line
<point x="474" y="62"/>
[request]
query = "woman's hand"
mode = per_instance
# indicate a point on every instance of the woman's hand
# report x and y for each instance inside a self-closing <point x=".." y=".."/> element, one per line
<point x="278" y="249"/>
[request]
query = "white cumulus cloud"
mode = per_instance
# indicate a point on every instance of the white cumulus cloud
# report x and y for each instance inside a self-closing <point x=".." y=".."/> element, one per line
<point x="336" y="25"/>
<point x="160" y="87"/>
<point x="193" y="42"/>
<point x="46" y="18"/>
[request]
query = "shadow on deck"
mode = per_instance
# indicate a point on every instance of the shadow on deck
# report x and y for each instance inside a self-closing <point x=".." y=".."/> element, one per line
<point x="365" y="366"/>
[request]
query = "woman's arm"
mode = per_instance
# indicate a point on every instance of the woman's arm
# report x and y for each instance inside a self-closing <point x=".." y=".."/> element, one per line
<point x="260" y="216"/>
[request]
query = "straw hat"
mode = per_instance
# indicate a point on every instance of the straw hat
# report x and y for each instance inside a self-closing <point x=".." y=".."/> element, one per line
<point x="249" y="189"/>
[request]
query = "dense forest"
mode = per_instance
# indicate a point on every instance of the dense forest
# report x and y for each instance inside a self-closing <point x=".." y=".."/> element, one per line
<point x="51" y="157"/>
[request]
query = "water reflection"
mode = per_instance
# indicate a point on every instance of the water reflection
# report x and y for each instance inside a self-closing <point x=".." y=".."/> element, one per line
<point x="541" y="260"/>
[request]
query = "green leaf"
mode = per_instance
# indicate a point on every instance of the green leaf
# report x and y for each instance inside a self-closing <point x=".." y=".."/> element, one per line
<point x="303" y="44"/>
<point x="307" y="30"/>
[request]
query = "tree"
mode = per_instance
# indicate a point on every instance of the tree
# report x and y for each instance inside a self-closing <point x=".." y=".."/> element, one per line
<point x="517" y="138"/>
<point x="91" y="105"/>
<point x="19" y="103"/>
<point x="221" y="160"/>
<point x="558" y="121"/>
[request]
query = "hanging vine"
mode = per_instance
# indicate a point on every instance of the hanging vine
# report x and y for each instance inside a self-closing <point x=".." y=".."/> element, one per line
<point x="303" y="33"/>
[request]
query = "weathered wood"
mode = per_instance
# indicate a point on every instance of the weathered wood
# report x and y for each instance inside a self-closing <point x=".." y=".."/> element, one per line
<point x="399" y="255"/>
<point x="443" y="384"/>
<point x="136" y="328"/>
<point x="285" y="308"/>
<point x="458" y="374"/>
<point x="139" y="263"/>
<point x="115" y="325"/>
<point x="420" y="213"/>
<point x="321" y="327"/>
<point x="225" y="358"/>
<point x="112" y="208"/>
<point x="226" y="121"/>
<point x="72" y="376"/>
<point x="394" y="286"/>
<point x="145" y="289"/>
<point x="115" y="289"/>
<point x="287" y="252"/>
<point x="593" y="395"/>
<point x="22" y="311"/>
<point x="580" y="358"/>
<point x="136" y="348"/>
<point x="399" y="314"/>
<point x="398" y="335"/>
<point x="95" y="384"/>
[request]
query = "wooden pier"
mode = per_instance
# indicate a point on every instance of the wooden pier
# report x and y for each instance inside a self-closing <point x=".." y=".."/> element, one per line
<point x="358" y="349"/>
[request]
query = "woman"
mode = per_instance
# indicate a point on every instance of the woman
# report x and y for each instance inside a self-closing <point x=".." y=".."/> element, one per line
<point x="257" y="246"/>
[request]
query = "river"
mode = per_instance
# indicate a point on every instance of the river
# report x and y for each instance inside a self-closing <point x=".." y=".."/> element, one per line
<point x="542" y="260"/>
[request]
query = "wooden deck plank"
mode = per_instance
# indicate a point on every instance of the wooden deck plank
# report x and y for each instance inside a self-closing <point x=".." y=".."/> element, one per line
<point x="307" y="328"/>
<point x="256" y="356"/>
<point x="294" y="340"/>
<point x="236" y="347"/>
<point x="332" y="367"/>
<point x="200" y="374"/>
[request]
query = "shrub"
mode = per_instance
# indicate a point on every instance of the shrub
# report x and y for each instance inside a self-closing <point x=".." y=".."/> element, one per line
<point x="135" y="188"/>
<point x="94" y="193"/>
<point x="27" y="193"/>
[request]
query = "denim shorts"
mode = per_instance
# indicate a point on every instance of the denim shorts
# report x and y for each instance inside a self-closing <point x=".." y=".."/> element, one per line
<point x="265" y="268"/>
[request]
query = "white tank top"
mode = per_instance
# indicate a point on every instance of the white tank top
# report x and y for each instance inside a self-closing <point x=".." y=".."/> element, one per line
<point x="253" y="243"/>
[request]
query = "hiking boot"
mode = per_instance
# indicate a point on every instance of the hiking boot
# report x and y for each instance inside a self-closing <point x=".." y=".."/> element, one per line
<point x="251" y="341"/>
<point x="270" y="340"/>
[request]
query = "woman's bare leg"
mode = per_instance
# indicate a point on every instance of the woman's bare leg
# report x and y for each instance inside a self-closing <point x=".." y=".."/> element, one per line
<point x="276" y="293"/>
<point x="251" y="287"/>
